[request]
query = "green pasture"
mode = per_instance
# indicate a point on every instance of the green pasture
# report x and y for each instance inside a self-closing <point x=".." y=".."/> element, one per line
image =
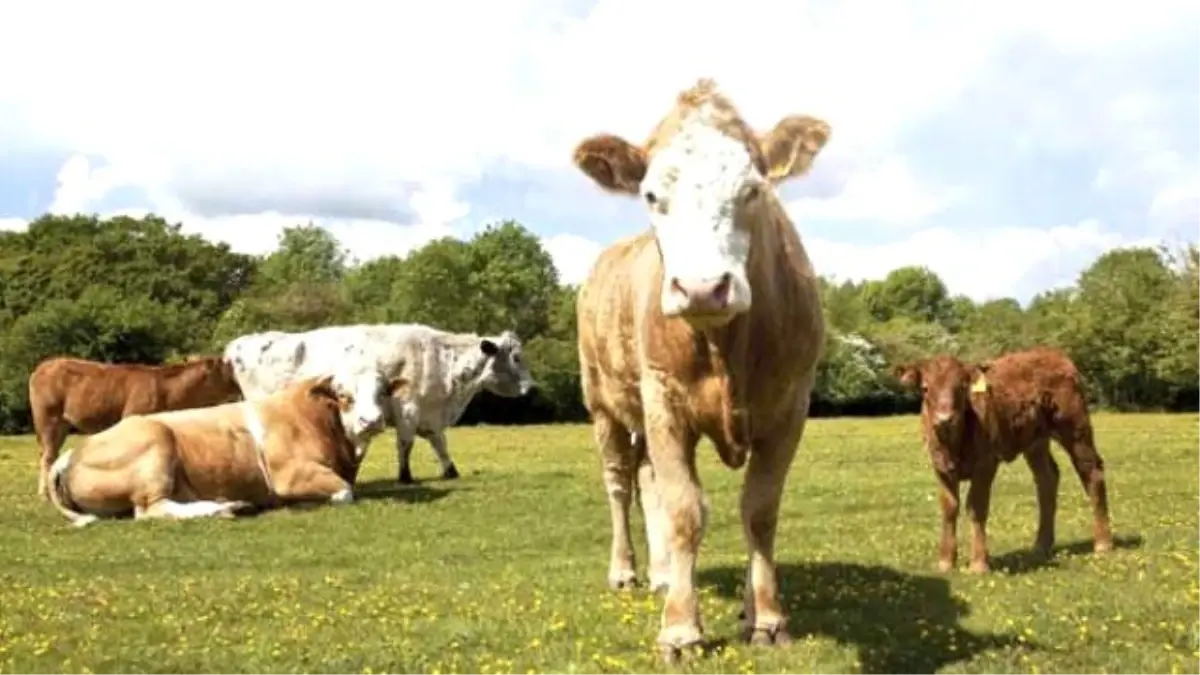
<point x="503" y="570"/>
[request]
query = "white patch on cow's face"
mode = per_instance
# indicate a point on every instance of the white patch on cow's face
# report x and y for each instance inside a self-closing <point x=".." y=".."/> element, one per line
<point x="694" y="188"/>
<point x="362" y="404"/>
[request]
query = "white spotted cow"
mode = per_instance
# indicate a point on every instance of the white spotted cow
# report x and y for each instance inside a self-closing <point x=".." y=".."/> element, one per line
<point x="442" y="371"/>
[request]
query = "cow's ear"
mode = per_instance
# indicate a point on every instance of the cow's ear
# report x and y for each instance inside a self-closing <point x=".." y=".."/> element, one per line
<point x="612" y="162"/>
<point x="979" y="380"/>
<point x="792" y="145"/>
<point x="488" y="347"/>
<point x="398" y="387"/>
<point x="322" y="387"/>
<point x="909" y="374"/>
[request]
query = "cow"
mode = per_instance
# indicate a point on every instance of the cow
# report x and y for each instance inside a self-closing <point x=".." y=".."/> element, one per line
<point x="89" y="396"/>
<point x="976" y="416"/>
<point x="708" y="324"/>
<point x="296" y="445"/>
<point x="443" y="371"/>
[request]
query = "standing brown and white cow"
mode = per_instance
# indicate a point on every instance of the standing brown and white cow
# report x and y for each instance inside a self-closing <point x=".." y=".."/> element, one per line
<point x="977" y="416"/>
<point x="709" y="324"/>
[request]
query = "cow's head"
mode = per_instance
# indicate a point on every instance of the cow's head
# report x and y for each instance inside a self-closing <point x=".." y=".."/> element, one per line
<point x="361" y="397"/>
<point x="505" y="370"/>
<point x="945" y="385"/>
<point x="218" y="380"/>
<point x="705" y="177"/>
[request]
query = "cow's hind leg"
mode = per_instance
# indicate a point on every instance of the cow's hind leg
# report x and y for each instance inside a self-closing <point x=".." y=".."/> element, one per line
<point x="173" y="510"/>
<point x="437" y="440"/>
<point x="657" y="525"/>
<point x="51" y="433"/>
<point x="616" y="457"/>
<point x="1079" y="442"/>
<point x="1045" y="477"/>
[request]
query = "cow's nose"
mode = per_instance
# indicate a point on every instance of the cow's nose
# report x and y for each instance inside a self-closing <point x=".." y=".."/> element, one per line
<point x="366" y="422"/>
<point x="942" y="418"/>
<point x="707" y="296"/>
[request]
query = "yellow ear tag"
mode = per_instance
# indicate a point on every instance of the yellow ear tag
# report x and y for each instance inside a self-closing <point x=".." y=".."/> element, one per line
<point x="980" y="386"/>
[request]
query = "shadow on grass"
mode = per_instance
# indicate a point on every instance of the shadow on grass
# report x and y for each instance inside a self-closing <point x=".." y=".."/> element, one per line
<point x="1023" y="561"/>
<point x="899" y="622"/>
<point x="388" y="488"/>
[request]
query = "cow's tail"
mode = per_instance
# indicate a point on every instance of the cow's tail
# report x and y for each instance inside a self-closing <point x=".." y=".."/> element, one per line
<point x="59" y="496"/>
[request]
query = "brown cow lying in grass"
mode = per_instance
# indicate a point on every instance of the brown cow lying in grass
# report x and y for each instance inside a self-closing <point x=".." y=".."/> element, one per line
<point x="976" y="416"/>
<point x="295" y="445"/>
<point x="90" y="396"/>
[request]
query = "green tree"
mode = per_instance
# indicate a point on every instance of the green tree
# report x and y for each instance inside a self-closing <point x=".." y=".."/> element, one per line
<point x="915" y="293"/>
<point x="1124" y="302"/>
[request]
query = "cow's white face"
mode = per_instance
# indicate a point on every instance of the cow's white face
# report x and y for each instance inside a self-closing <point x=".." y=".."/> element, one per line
<point x="696" y="188"/>
<point x="705" y="181"/>
<point x="362" y="402"/>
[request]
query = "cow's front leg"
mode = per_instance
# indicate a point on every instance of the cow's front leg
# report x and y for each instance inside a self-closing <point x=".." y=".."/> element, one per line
<point x="672" y="450"/>
<point x="948" y="542"/>
<point x="762" y="492"/>
<point x="979" y="498"/>
<point x="313" y="483"/>
<point x="658" y="533"/>
<point x="437" y="440"/>
<point x="404" y="446"/>
<point x="617" y="465"/>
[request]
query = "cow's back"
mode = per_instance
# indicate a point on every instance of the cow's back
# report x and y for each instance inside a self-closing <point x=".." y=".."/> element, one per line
<point x="93" y="395"/>
<point x="609" y="315"/>
<point x="1031" y="394"/>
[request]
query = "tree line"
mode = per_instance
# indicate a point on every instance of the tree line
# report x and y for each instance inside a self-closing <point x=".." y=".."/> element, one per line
<point x="140" y="290"/>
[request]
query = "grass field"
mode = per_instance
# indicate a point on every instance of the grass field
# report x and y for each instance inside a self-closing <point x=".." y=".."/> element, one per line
<point x="504" y="569"/>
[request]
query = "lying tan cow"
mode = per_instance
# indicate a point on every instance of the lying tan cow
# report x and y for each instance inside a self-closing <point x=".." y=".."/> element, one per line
<point x="976" y="417"/>
<point x="295" y="445"/>
<point x="90" y="396"/>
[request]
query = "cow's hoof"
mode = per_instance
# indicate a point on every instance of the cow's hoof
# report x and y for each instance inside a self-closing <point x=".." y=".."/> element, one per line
<point x="944" y="565"/>
<point x="674" y="656"/>
<point x="768" y="636"/>
<point x="406" y="477"/>
<point x="978" y="567"/>
<point x="450" y="473"/>
<point x="679" y="644"/>
<point x="622" y="581"/>
<point x="1102" y="546"/>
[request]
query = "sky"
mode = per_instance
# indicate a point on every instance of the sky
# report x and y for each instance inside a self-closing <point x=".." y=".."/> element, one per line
<point x="1005" y="145"/>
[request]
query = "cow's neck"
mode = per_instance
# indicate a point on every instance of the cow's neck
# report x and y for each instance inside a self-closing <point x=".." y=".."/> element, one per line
<point x="181" y="381"/>
<point x="739" y="352"/>
<point x="463" y="380"/>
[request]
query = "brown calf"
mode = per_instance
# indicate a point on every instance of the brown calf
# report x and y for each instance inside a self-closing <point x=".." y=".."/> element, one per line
<point x="977" y="416"/>
<point x="90" y="396"/>
<point x="291" y="446"/>
<point x="707" y="325"/>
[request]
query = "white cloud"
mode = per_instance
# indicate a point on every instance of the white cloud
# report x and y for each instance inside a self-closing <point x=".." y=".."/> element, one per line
<point x="13" y="224"/>
<point x="573" y="256"/>
<point x="371" y="120"/>
<point x="887" y="192"/>
<point x="981" y="265"/>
